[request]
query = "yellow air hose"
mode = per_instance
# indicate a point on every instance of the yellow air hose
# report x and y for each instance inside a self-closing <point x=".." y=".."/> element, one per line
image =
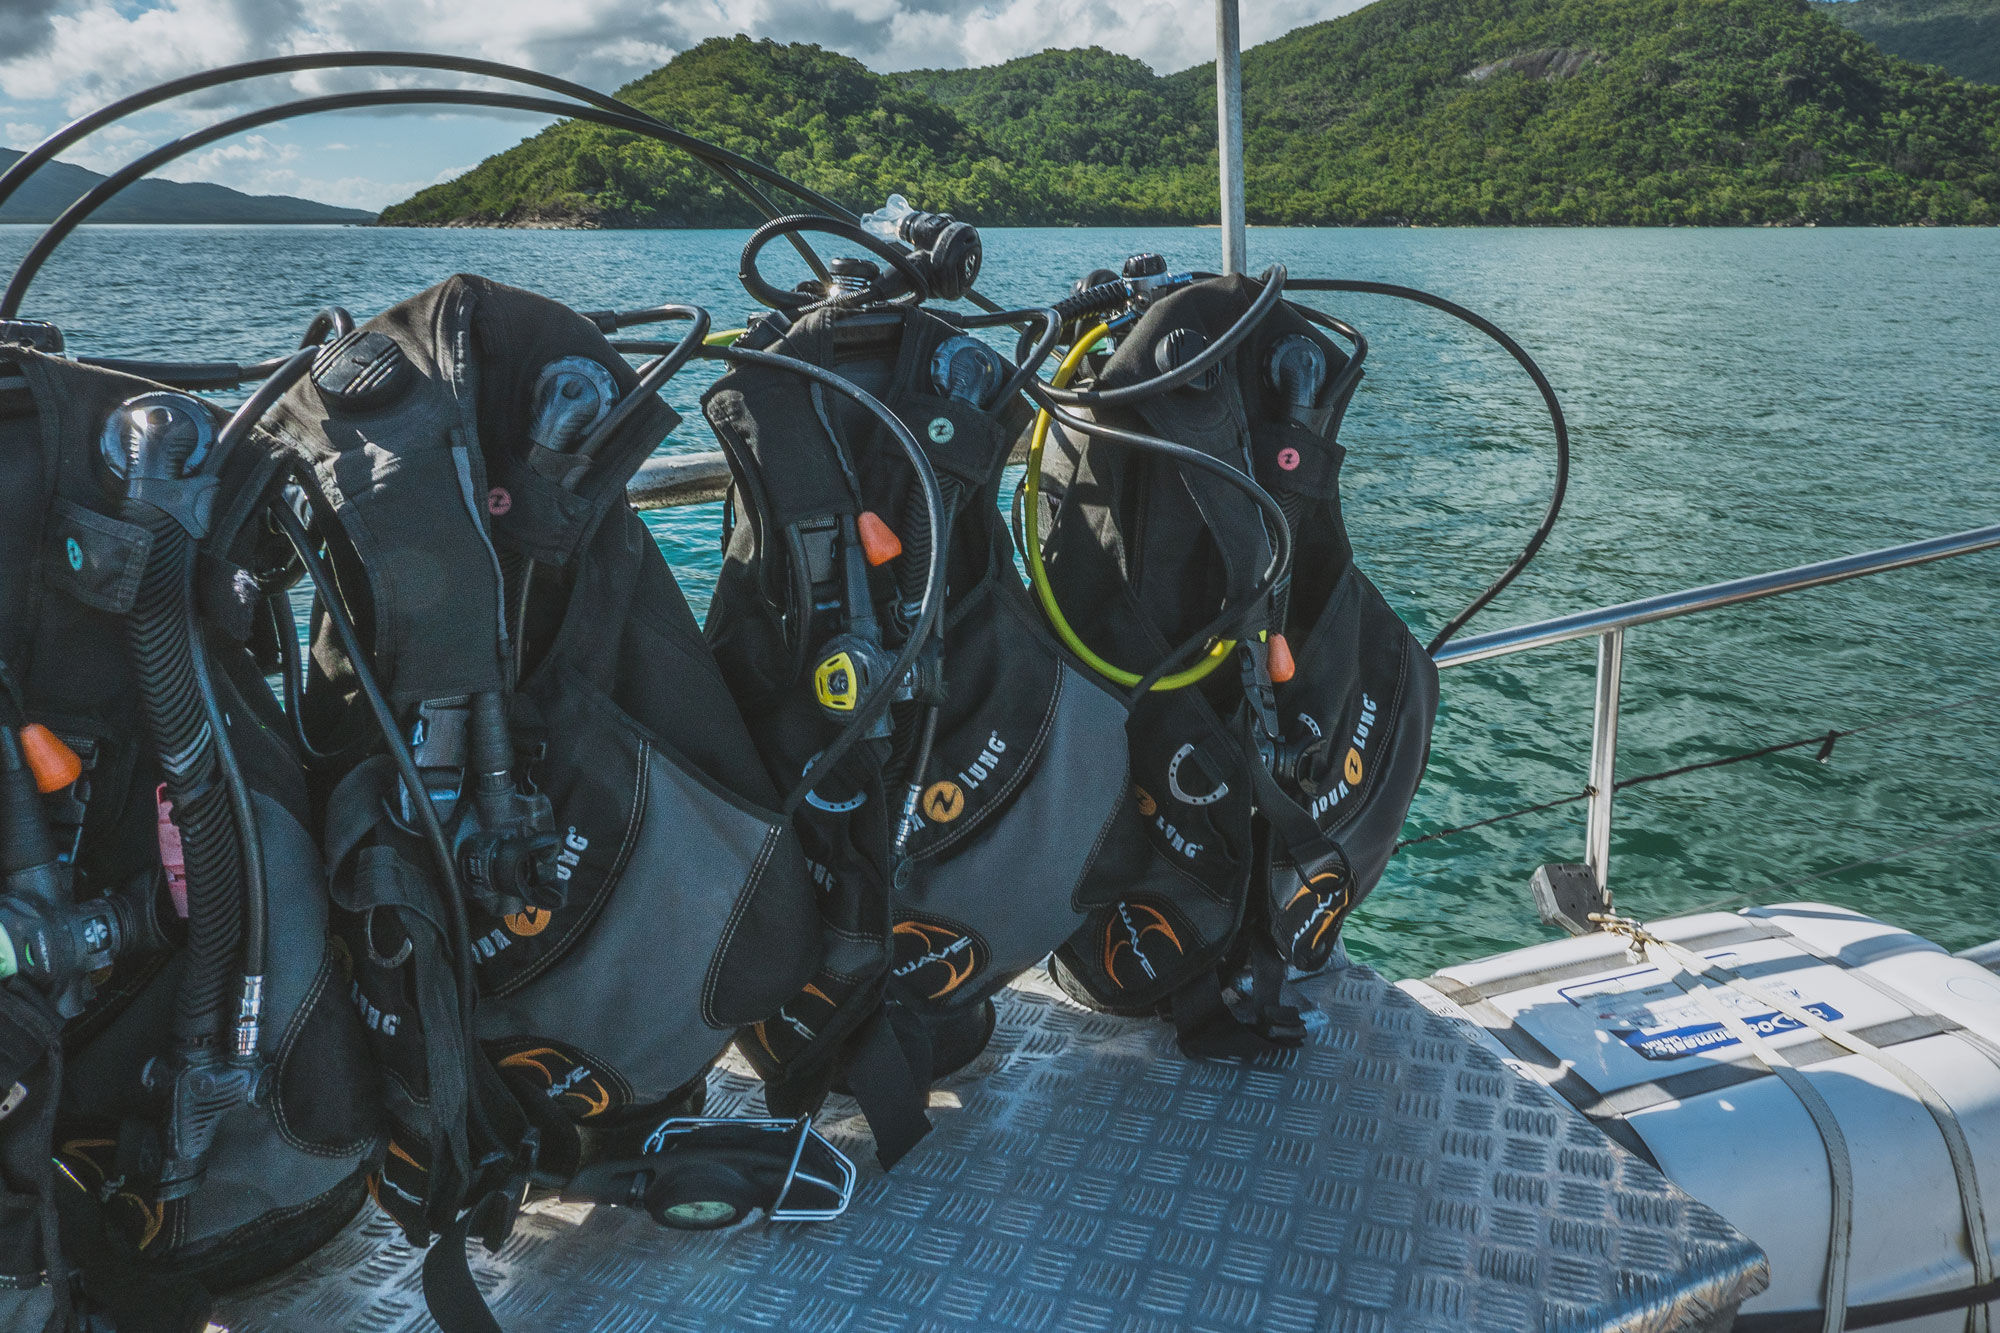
<point x="1039" y="577"/>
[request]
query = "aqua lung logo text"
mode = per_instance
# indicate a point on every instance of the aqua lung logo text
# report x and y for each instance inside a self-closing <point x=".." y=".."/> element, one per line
<point x="570" y="857"/>
<point x="371" y="1017"/>
<point x="1150" y="808"/>
<point x="985" y="766"/>
<point x="944" y="801"/>
<point x="1352" y="766"/>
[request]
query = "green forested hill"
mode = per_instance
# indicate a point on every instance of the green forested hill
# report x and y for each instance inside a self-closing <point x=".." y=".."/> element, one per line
<point x="1961" y="35"/>
<point x="59" y="184"/>
<point x="1422" y="111"/>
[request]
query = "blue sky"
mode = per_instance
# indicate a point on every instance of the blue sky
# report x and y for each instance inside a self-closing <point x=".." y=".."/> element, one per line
<point x="61" y="58"/>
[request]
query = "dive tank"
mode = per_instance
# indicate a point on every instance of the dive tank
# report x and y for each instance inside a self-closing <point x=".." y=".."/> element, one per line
<point x="1655" y="1067"/>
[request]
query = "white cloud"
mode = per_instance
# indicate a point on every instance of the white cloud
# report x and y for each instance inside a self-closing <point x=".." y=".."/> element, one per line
<point x="98" y="49"/>
<point x="21" y="134"/>
<point x="83" y="53"/>
<point x="910" y="34"/>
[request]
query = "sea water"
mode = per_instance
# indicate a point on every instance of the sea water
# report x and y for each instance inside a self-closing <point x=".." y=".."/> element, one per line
<point x="1739" y="401"/>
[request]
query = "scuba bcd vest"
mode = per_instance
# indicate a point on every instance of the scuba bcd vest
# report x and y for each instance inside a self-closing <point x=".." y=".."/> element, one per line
<point x="182" y="1081"/>
<point x="949" y="839"/>
<point x="627" y="894"/>
<point x="1267" y="792"/>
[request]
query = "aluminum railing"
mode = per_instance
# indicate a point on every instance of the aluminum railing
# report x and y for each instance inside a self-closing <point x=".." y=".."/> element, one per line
<point x="692" y="478"/>
<point x="1609" y="623"/>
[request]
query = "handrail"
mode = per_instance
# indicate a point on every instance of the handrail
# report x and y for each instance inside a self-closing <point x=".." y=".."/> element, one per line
<point x="693" y="478"/>
<point x="673" y="480"/>
<point x="1609" y="623"/>
<point x="1666" y="606"/>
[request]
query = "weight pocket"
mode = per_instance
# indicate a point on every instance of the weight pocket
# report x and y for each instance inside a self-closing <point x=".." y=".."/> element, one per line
<point x="1026" y="734"/>
<point x="1368" y="692"/>
<point x="689" y="911"/>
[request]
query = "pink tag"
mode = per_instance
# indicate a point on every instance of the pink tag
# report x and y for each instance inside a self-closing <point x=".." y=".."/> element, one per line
<point x="1288" y="459"/>
<point x="172" y="859"/>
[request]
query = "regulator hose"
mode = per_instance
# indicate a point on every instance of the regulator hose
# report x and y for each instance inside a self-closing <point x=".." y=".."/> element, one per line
<point x="1549" y="400"/>
<point x="764" y="293"/>
<point x="930" y="610"/>
<point x="160" y="636"/>
<point x="1267" y="299"/>
<point x="1214" y="650"/>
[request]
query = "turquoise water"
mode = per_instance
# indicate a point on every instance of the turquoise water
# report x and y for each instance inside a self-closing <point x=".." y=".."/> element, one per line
<point x="1740" y="401"/>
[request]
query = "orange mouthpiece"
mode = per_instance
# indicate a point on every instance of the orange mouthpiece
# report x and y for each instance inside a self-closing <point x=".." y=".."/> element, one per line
<point x="879" y="542"/>
<point x="1283" y="668"/>
<point x="54" y="764"/>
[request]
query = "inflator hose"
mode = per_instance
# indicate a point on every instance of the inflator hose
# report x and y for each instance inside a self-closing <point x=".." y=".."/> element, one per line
<point x="159" y="633"/>
<point x="1557" y="422"/>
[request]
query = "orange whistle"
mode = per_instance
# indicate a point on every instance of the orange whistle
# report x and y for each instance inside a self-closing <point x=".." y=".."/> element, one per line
<point x="879" y="542"/>
<point x="54" y="764"/>
<point x="1283" y="668"/>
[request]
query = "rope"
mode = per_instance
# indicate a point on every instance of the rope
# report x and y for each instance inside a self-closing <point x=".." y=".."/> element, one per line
<point x="1825" y="740"/>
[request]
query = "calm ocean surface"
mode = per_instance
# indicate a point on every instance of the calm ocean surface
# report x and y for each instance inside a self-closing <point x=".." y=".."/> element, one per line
<point x="1739" y="400"/>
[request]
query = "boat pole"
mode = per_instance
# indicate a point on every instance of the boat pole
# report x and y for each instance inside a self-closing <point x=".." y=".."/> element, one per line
<point x="1229" y="130"/>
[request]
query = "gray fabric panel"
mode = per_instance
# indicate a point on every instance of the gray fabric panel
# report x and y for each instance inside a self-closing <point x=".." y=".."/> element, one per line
<point x="26" y="1311"/>
<point x="1015" y="885"/>
<point x="630" y="993"/>
<point x="295" y="900"/>
<point x="253" y="1173"/>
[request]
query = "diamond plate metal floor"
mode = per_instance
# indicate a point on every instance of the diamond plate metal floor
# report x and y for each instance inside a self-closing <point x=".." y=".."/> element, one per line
<point x="1387" y="1176"/>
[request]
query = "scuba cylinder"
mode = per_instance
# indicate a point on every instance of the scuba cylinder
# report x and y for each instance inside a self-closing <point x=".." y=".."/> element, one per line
<point x="1266" y="800"/>
<point x="949" y="836"/>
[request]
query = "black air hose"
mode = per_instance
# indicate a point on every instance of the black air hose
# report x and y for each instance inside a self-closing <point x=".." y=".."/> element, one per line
<point x="1096" y="300"/>
<point x="158" y="632"/>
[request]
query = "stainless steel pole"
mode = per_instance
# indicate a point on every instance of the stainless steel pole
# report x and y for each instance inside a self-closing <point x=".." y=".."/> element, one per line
<point x="1229" y="130"/>
<point x="1604" y="757"/>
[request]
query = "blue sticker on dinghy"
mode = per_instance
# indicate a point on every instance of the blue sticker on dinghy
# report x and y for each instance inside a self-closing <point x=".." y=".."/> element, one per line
<point x="1678" y="1043"/>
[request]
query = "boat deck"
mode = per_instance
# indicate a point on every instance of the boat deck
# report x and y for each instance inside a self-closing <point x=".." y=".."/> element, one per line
<point x="1085" y="1178"/>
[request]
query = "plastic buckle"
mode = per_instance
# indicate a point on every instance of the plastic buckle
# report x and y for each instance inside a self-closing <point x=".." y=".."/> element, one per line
<point x="1281" y="1025"/>
<point x="1262" y="696"/>
<point x="492" y="1217"/>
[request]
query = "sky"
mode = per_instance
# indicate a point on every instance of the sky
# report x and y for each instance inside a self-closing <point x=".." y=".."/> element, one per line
<point x="62" y="58"/>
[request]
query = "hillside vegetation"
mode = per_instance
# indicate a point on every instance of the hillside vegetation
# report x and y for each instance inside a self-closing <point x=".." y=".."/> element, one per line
<point x="1418" y="111"/>
<point x="1961" y="35"/>
<point x="59" y="184"/>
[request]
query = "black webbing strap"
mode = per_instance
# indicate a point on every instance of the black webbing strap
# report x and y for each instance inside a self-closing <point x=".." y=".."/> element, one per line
<point x="113" y="1281"/>
<point x="1206" y="1028"/>
<point x="1302" y="839"/>
<point x="31" y="1059"/>
<point x="1204" y="1025"/>
<point x="451" y="1295"/>
<point x="889" y="1071"/>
